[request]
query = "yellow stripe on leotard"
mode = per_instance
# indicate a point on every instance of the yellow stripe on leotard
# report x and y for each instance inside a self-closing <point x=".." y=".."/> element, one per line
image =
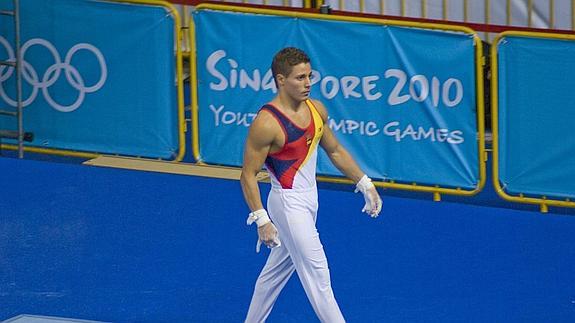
<point x="318" y="131"/>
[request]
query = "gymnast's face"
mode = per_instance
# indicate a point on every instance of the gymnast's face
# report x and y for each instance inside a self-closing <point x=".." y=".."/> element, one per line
<point x="297" y="85"/>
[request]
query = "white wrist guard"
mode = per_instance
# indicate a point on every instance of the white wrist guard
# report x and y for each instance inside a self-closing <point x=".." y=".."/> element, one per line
<point x="260" y="217"/>
<point x="363" y="185"/>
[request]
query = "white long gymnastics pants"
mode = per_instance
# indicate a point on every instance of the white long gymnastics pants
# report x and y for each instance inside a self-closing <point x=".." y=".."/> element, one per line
<point x="294" y="214"/>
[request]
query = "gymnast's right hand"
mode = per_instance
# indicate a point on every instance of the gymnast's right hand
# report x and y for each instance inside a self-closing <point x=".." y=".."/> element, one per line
<point x="267" y="232"/>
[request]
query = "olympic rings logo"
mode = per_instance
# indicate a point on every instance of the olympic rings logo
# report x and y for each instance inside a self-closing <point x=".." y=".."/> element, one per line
<point x="51" y="74"/>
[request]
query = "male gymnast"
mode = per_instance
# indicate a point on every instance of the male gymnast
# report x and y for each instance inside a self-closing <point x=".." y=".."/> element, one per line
<point x="284" y="136"/>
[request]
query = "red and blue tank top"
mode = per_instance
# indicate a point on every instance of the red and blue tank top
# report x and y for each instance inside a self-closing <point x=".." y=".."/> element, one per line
<point x="294" y="165"/>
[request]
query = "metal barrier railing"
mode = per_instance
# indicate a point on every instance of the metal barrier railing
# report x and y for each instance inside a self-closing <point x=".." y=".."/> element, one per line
<point x="450" y="10"/>
<point x="383" y="7"/>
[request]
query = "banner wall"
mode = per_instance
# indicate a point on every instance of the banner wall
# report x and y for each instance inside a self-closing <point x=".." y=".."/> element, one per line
<point x="98" y="77"/>
<point x="401" y="100"/>
<point x="536" y="111"/>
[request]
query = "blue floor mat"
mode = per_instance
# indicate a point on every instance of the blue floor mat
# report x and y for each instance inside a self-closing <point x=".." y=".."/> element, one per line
<point x="127" y="246"/>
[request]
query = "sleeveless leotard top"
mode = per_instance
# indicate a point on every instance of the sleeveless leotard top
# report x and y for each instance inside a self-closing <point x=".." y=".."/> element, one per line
<point x="294" y="166"/>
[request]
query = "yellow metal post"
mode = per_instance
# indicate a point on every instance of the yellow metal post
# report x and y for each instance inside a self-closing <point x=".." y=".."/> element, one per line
<point x="508" y="13"/>
<point x="444" y="6"/>
<point x="466" y="11"/>
<point x="194" y="93"/>
<point x="361" y="5"/>
<point x="423" y="9"/>
<point x="552" y="14"/>
<point x="544" y="206"/>
<point x="436" y="197"/>
<point x="186" y="26"/>
<point x="403" y="8"/>
<point x="529" y="13"/>
<point x="382" y="7"/>
<point x="479" y="84"/>
<point x="487" y="17"/>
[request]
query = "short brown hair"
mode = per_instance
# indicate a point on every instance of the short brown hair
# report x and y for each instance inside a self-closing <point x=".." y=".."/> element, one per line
<point x="286" y="59"/>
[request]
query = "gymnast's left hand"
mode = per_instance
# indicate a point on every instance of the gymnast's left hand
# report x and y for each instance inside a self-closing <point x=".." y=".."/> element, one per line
<point x="373" y="202"/>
